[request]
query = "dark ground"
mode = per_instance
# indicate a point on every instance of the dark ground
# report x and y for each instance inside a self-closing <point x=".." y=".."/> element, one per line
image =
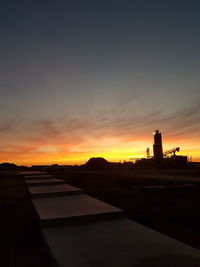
<point x="21" y="240"/>
<point x="172" y="211"/>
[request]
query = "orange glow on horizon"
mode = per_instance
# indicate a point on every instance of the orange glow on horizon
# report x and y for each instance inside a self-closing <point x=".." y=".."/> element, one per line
<point x="116" y="152"/>
<point x="76" y="141"/>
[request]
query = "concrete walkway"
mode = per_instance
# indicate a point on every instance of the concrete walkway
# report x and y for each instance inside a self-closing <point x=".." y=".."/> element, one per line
<point x="82" y="231"/>
<point x="55" y="190"/>
<point x="76" y="208"/>
<point x="117" y="243"/>
<point x="37" y="176"/>
<point x="43" y="181"/>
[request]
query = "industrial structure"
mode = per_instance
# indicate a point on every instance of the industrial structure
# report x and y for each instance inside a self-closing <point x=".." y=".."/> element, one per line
<point x="158" y="149"/>
<point x="171" y="151"/>
<point x="157" y="146"/>
<point x="160" y="159"/>
<point x="148" y="153"/>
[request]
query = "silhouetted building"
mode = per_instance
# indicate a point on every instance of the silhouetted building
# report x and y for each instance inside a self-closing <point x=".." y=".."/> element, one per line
<point x="157" y="147"/>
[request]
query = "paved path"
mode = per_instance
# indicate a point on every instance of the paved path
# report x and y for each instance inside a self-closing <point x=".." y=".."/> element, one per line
<point x="27" y="177"/>
<point x="81" y="231"/>
<point x="74" y="208"/>
<point x="117" y="243"/>
<point x="43" y="181"/>
<point x="55" y="190"/>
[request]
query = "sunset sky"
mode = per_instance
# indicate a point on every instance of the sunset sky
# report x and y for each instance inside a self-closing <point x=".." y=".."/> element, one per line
<point x="95" y="78"/>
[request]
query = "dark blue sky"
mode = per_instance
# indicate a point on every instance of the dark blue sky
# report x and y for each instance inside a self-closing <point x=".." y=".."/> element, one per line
<point x="114" y="60"/>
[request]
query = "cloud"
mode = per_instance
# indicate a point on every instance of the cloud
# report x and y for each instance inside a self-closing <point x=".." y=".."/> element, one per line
<point x="69" y="137"/>
<point x="7" y="127"/>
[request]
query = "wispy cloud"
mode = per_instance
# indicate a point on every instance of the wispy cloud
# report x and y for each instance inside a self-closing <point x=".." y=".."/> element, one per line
<point x="68" y="137"/>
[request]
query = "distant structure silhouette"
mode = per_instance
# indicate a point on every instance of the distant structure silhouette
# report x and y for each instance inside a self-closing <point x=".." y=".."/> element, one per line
<point x="148" y="153"/>
<point x="171" y="151"/>
<point x="7" y="166"/>
<point x="157" y="146"/>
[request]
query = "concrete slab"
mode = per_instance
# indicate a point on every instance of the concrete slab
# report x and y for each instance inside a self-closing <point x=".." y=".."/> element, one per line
<point x="53" y="190"/>
<point x="73" y="208"/>
<point x="38" y="176"/>
<point x="117" y="243"/>
<point x="31" y="172"/>
<point x="45" y="181"/>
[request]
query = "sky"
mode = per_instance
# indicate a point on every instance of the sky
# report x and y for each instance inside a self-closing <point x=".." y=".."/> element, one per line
<point x="80" y="79"/>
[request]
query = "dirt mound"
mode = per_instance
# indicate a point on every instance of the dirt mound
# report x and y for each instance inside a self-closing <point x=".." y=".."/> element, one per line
<point x="98" y="164"/>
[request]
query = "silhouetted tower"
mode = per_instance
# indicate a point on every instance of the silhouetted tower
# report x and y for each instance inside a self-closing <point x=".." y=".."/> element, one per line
<point x="157" y="147"/>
